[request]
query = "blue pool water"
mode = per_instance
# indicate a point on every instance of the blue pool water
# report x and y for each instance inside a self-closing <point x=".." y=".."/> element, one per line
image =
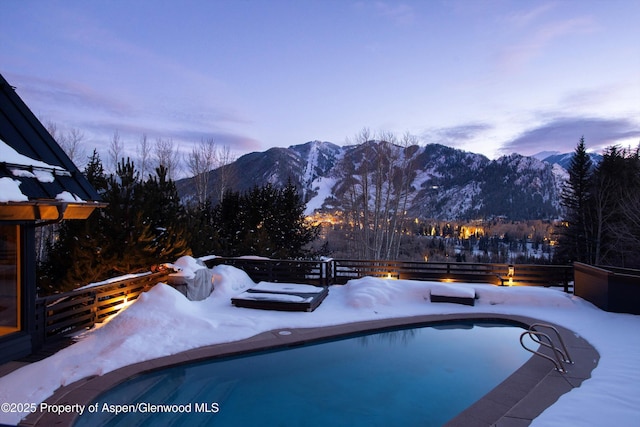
<point x="412" y="377"/>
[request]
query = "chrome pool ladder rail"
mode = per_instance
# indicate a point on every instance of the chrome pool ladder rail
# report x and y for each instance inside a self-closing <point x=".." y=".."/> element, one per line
<point x="565" y="353"/>
<point x="560" y="356"/>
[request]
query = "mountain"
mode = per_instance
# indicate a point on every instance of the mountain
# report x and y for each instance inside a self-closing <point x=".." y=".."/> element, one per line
<point x="445" y="183"/>
<point x="563" y="159"/>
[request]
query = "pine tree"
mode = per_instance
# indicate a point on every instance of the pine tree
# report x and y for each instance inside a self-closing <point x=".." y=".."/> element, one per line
<point x="76" y="257"/>
<point x="202" y="235"/>
<point x="616" y="185"/>
<point x="165" y="217"/>
<point x="576" y="240"/>
<point x="264" y="221"/>
<point x="229" y="220"/>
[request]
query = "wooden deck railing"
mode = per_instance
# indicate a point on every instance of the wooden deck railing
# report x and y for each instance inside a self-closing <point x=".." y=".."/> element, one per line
<point x="60" y="315"/>
<point x="64" y="314"/>
<point x="317" y="273"/>
<point x="339" y="271"/>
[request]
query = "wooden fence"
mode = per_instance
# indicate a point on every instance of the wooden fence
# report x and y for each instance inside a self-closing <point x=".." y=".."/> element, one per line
<point x="61" y="315"/>
<point x="64" y="314"/>
<point x="339" y="271"/>
<point x="319" y="273"/>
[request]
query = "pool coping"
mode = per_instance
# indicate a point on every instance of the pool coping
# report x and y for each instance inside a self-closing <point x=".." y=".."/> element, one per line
<point x="515" y="402"/>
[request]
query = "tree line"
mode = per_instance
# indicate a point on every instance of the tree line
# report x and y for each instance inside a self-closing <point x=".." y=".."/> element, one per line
<point x="602" y="209"/>
<point x="145" y="224"/>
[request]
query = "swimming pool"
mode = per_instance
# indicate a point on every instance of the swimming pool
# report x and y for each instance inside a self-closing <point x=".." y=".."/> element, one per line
<point x="418" y="376"/>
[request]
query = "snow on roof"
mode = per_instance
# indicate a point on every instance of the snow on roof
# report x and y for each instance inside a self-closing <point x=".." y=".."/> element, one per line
<point x="9" y="155"/>
<point x="26" y="179"/>
<point x="22" y="166"/>
<point x="66" y="196"/>
<point x="10" y="191"/>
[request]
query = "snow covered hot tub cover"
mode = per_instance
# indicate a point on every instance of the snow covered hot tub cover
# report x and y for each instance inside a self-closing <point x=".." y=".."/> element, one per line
<point x="281" y="297"/>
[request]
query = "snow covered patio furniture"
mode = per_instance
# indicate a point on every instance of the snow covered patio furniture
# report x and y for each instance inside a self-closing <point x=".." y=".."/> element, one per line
<point x="281" y="297"/>
<point x="457" y="294"/>
<point x="191" y="278"/>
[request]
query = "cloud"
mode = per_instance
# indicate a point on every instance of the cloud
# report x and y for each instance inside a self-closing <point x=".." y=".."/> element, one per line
<point x="398" y="13"/>
<point x="456" y="135"/>
<point x="101" y="133"/>
<point x="517" y="56"/>
<point x="563" y="133"/>
<point x="523" y="18"/>
<point x="71" y="105"/>
<point x="59" y="95"/>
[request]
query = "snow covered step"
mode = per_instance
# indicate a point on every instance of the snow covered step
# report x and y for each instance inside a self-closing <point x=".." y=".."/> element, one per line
<point x="457" y="294"/>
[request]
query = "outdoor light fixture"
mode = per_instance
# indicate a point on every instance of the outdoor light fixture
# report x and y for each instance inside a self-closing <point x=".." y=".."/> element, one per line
<point x="510" y="272"/>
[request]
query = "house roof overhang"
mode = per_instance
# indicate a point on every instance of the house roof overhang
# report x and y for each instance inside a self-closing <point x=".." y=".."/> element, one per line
<point x="47" y="210"/>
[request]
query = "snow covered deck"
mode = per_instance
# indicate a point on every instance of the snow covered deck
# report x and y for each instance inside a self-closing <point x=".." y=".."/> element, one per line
<point x="163" y="328"/>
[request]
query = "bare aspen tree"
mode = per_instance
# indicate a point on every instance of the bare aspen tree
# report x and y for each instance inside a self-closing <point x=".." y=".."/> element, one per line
<point x="144" y="157"/>
<point x="73" y="146"/>
<point x="223" y="158"/>
<point x="626" y="233"/>
<point x="70" y="142"/>
<point x="402" y="178"/>
<point x="357" y="179"/>
<point x="377" y="178"/>
<point x="200" y="162"/>
<point x="166" y="154"/>
<point x="353" y="206"/>
<point x="602" y="198"/>
<point x="116" y="151"/>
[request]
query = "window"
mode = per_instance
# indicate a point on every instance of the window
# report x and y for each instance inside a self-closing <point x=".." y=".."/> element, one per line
<point x="9" y="279"/>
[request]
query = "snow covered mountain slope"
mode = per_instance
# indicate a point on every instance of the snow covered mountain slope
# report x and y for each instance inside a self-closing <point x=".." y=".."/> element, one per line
<point x="445" y="183"/>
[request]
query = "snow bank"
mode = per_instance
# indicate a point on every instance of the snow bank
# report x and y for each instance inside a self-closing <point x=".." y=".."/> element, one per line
<point x="186" y="267"/>
<point x="230" y="281"/>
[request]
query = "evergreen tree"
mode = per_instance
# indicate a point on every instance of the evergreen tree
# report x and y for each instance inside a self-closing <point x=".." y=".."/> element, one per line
<point x="292" y="232"/>
<point x="625" y="231"/>
<point x="264" y="221"/>
<point x="229" y="221"/>
<point x="143" y="224"/>
<point x="601" y="209"/>
<point x="201" y="231"/>
<point x="75" y="257"/>
<point x="576" y="238"/>
<point x="616" y="183"/>
<point x="165" y="217"/>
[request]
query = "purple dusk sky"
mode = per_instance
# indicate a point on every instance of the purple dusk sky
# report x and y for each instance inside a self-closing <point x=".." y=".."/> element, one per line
<point x="488" y="76"/>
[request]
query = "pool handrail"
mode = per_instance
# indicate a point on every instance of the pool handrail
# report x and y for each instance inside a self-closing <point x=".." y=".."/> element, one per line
<point x="559" y="358"/>
<point x="564" y="352"/>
